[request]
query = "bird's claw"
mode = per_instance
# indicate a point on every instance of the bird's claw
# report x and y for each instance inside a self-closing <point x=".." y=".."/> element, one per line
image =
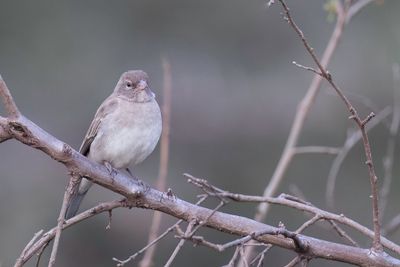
<point x="110" y="168"/>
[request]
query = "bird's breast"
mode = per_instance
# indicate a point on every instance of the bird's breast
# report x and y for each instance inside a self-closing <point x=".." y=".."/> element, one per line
<point x="128" y="135"/>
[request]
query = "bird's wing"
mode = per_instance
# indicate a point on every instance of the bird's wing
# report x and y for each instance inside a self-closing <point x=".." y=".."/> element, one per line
<point x="108" y="106"/>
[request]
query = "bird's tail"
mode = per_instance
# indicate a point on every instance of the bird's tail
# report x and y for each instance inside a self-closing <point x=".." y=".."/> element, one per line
<point x="76" y="198"/>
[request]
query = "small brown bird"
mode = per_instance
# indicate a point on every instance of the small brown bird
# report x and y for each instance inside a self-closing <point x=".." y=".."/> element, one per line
<point x="124" y="131"/>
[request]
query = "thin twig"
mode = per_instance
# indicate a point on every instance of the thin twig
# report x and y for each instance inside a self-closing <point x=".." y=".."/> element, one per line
<point x="334" y="225"/>
<point x="152" y="243"/>
<point x="308" y="223"/>
<point x="356" y="7"/>
<point x="307" y="68"/>
<point x="180" y="244"/>
<point x="234" y="258"/>
<point x="343" y="233"/>
<point x="28" y="246"/>
<point x="294" y="262"/>
<point x="298" y="123"/>
<point x="155" y="240"/>
<point x="260" y="256"/>
<point x="316" y="149"/>
<point x="376" y="245"/>
<point x="47" y="237"/>
<point x="244" y="262"/>
<point x="8" y="101"/>
<point x="353" y="137"/>
<point x="301" y="246"/>
<point x="202" y="223"/>
<point x="164" y="155"/>
<point x="392" y="226"/>
<point x="40" y="253"/>
<point x="72" y="185"/>
<point x="293" y="202"/>
<point x="388" y="160"/>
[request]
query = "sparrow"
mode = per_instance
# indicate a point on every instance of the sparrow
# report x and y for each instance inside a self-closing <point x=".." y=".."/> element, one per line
<point x="125" y="130"/>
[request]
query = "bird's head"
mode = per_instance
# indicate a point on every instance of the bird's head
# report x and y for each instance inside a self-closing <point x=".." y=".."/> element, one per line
<point x="134" y="85"/>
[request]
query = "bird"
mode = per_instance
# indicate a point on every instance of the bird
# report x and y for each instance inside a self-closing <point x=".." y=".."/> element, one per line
<point x="124" y="131"/>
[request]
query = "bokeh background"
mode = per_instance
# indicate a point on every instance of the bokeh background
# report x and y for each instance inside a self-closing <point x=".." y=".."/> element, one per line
<point x="235" y="94"/>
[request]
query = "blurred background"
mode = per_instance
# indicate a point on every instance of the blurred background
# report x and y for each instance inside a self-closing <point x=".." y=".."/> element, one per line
<point x="235" y="93"/>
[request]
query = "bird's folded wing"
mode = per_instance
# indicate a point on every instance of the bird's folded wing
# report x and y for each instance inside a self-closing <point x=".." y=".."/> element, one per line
<point x="108" y="106"/>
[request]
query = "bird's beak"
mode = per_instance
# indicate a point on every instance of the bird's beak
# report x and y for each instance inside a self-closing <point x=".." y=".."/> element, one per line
<point x="142" y="85"/>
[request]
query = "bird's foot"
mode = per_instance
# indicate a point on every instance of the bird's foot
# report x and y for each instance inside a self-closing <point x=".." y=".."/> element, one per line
<point x="110" y="168"/>
<point x="130" y="173"/>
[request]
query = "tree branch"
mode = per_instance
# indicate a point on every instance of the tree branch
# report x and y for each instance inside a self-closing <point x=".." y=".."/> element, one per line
<point x="297" y="126"/>
<point x="29" y="133"/>
<point x="72" y="186"/>
<point x="377" y="246"/>
<point x="8" y="101"/>
<point x="47" y="237"/>
<point x="292" y="202"/>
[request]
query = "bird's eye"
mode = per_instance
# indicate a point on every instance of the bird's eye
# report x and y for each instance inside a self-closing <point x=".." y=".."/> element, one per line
<point x="128" y="85"/>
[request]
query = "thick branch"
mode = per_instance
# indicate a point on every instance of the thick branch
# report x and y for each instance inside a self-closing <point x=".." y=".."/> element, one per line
<point x="29" y="133"/>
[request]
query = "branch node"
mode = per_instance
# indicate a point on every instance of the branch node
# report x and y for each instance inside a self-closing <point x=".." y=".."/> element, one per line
<point x="328" y="75"/>
<point x="367" y="119"/>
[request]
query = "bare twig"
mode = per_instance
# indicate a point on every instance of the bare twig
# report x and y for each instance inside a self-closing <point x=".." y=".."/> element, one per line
<point x="164" y="154"/>
<point x="353" y="137"/>
<point x="260" y="257"/>
<point x="293" y="202"/>
<point x="234" y="258"/>
<point x="8" y="101"/>
<point x="308" y="223"/>
<point x="180" y="244"/>
<point x="72" y="185"/>
<point x="40" y="253"/>
<point x="316" y="149"/>
<point x="334" y="225"/>
<point x="392" y="226"/>
<point x="297" y="126"/>
<point x="343" y="234"/>
<point x="47" y="237"/>
<point x="153" y="241"/>
<point x="306" y="68"/>
<point x="294" y="262"/>
<point x="199" y="240"/>
<point x="393" y="131"/>
<point x="377" y="246"/>
<point x="356" y="7"/>
<point x="28" y="246"/>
